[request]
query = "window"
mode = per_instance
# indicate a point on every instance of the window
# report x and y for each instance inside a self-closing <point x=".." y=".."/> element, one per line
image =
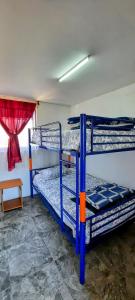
<point x="23" y="136"/>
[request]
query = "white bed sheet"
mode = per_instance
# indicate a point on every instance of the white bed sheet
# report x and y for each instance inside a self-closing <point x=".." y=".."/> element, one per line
<point x="50" y="190"/>
<point x="71" y="139"/>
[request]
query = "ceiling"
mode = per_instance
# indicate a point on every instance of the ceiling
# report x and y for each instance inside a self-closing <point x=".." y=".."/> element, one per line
<point x="42" y="39"/>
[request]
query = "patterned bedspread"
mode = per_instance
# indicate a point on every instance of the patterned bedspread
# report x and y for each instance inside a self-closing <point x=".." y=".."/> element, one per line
<point x="71" y="139"/>
<point x="50" y="189"/>
<point x="106" y="194"/>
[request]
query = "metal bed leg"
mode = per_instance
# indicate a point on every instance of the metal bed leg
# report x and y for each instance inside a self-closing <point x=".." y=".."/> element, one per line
<point x="31" y="182"/>
<point x="61" y="197"/>
<point x="77" y="204"/>
<point x="82" y="195"/>
<point x="30" y="164"/>
<point x="82" y="252"/>
<point x="61" y="191"/>
<point x="82" y="235"/>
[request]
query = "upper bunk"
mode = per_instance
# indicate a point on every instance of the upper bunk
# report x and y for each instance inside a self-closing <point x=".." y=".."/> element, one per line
<point x="102" y="135"/>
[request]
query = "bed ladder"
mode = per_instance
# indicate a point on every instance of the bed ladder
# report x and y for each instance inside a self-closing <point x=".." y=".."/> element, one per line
<point x="75" y="194"/>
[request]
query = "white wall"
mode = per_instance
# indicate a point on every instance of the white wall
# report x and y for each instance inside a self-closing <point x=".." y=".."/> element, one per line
<point x="117" y="167"/>
<point x="46" y="113"/>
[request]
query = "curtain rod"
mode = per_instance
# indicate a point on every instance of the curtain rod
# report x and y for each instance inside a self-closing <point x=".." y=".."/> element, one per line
<point x="18" y="99"/>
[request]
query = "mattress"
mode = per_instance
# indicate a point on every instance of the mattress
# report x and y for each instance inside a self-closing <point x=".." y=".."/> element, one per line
<point x="71" y="139"/>
<point x="50" y="190"/>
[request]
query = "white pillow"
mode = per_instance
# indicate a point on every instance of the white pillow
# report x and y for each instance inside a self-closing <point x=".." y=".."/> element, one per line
<point x="54" y="172"/>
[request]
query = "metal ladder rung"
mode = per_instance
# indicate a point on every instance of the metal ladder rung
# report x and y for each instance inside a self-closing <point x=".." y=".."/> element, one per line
<point x="69" y="190"/>
<point x="69" y="216"/>
<point x="68" y="162"/>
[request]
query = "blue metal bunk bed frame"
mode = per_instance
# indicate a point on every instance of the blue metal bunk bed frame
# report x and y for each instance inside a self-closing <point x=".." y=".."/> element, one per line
<point x="80" y="194"/>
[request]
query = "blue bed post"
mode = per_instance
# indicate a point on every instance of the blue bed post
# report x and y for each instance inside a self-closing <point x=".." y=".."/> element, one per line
<point x="61" y="191"/>
<point x="82" y="195"/>
<point x="77" y="204"/>
<point x="30" y="164"/>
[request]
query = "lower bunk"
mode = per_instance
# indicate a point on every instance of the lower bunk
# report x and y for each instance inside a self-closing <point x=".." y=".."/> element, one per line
<point x="108" y="207"/>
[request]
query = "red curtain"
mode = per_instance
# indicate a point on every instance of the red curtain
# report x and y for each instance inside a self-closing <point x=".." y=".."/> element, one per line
<point x="14" y="115"/>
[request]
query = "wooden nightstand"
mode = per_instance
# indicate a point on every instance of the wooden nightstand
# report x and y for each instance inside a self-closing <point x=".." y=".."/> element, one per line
<point x="14" y="203"/>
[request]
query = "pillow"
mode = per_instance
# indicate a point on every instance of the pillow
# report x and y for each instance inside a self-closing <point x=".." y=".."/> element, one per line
<point x="102" y="195"/>
<point x="97" y="201"/>
<point x="119" y="127"/>
<point x="53" y="172"/>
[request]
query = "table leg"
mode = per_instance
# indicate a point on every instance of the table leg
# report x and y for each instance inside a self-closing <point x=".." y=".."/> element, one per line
<point x="1" y="200"/>
<point x="20" y="195"/>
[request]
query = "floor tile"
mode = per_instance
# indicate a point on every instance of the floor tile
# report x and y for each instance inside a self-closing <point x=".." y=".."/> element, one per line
<point x="26" y="257"/>
<point x="46" y="283"/>
<point x="63" y="293"/>
<point x="21" y="230"/>
<point x="68" y="267"/>
<point x="44" y="223"/>
<point x="33" y="207"/>
<point x="38" y="263"/>
<point x="5" y="294"/>
<point x="7" y="218"/>
<point x="57" y="243"/>
<point x="1" y="241"/>
<point x="4" y="277"/>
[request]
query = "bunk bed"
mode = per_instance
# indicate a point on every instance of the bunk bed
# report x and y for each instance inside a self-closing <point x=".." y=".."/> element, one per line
<point x="87" y="208"/>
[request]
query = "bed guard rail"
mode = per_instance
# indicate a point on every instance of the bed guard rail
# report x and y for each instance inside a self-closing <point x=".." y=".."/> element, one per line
<point x="47" y="136"/>
<point x="110" y="135"/>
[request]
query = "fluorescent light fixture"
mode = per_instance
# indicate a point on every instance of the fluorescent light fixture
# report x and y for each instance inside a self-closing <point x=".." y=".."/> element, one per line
<point x="74" y="68"/>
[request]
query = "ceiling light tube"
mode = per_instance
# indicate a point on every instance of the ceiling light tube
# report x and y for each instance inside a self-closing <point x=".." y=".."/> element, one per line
<point x="74" y="68"/>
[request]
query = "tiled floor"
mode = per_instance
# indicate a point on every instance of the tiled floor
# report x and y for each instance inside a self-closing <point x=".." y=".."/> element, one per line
<point x="38" y="263"/>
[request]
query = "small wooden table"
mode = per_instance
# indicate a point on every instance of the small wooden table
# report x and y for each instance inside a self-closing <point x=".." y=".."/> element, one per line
<point x="14" y="203"/>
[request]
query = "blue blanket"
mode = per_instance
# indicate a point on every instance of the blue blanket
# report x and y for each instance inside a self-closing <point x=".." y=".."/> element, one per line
<point x="119" y="123"/>
<point x="103" y="195"/>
